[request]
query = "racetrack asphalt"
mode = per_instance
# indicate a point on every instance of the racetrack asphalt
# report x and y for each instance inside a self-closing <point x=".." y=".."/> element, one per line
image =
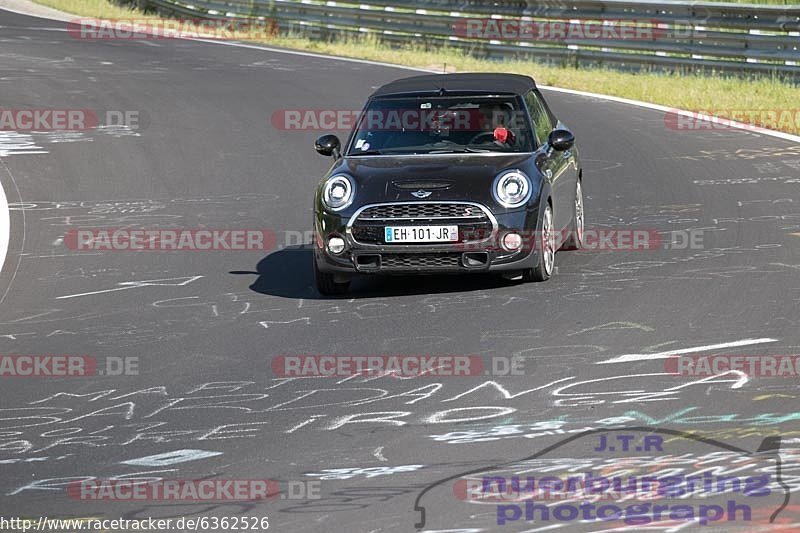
<point x="204" y="327"/>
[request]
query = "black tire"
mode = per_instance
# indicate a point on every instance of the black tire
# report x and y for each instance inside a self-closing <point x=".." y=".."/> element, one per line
<point x="575" y="239"/>
<point x="326" y="282"/>
<point x="547" y="258"/>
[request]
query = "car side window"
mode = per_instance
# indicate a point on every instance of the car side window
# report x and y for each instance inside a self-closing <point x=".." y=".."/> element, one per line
<point x="540" y="118"/>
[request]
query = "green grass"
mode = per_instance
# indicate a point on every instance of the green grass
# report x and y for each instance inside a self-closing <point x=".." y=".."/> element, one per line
<point x="692" y="92"/>
<point x="91" y="8"/>
<point x="765" y="2"/>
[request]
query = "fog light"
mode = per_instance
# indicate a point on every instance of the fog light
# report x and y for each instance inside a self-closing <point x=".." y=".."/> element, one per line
<point x="512" y="241"/>
<point x="336" y="245"/>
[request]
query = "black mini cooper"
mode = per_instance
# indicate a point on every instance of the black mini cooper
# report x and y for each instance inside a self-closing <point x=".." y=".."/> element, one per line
<point x="449" y="173"/>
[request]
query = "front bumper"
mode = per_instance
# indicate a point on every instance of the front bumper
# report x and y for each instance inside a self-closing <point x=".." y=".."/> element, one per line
<point x="474" y="253"/>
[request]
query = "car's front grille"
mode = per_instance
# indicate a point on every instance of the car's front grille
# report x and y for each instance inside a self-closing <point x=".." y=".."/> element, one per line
<point x="474" y="224"/>
<point x="422" y="261"/>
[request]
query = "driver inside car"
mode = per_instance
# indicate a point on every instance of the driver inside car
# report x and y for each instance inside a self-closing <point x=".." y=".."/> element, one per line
<point x="497" y="122"/>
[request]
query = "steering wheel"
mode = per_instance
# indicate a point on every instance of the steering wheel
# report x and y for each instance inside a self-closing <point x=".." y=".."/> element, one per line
<point x="474" y="139"/>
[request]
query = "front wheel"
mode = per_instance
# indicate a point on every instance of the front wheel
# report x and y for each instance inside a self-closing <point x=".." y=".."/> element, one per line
<point x="326" y="281"/>
<point x="547" y="258"/>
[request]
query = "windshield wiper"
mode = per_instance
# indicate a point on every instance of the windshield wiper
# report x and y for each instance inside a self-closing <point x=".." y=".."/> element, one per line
<point x="460" y="150"/>
<point x="367" y="152"/>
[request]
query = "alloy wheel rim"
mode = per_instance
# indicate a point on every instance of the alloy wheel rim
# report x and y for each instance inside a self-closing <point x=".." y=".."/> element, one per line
<point x="549" y="241"/>
<point x="579" y="213"/>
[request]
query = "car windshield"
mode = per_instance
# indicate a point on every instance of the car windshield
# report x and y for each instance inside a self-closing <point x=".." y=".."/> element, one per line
<point x="438" y="125"/>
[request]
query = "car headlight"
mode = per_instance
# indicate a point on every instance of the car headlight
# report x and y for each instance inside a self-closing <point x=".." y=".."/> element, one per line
<point x="512" y="188"/>
<point x="338" y="192"/>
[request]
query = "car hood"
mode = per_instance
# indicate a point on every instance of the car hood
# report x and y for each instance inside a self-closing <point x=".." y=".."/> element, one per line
<point x="445" y="177"/>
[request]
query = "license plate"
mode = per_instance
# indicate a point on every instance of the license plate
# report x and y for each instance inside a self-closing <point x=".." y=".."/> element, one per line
<point x="421" y="234"/>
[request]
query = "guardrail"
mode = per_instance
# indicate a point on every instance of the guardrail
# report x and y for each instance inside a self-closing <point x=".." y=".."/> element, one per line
<point x="652" y="35"/>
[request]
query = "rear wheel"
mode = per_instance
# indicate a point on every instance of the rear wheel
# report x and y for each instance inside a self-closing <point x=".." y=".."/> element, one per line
<point x="575" y="239"/>
<point x="547" y="258"/>
<point x="326" y="281"/>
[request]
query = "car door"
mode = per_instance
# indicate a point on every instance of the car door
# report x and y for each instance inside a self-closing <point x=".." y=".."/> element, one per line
<point x="555" y="165"/>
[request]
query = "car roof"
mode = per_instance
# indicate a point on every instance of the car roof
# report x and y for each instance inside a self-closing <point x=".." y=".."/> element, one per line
<point x="479" y="82"/>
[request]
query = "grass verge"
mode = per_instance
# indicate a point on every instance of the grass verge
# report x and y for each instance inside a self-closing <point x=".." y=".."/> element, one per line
<point x="762" y="101"/>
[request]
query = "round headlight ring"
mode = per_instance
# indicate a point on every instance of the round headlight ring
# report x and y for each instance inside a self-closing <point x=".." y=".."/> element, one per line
<point x="338" y="192"/>
<point x="512" y="189"/>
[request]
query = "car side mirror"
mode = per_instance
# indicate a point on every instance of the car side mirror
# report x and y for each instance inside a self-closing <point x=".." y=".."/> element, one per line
<point x="328" y="145"/>
<point x="561" y="140"/>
